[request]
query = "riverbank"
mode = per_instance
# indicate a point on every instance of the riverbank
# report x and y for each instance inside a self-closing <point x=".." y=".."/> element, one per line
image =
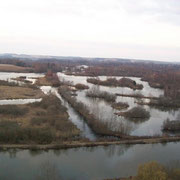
<point x="77" y="144"/>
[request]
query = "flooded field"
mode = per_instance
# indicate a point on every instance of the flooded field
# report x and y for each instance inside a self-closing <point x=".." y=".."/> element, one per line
<point x="92" y="162"/>
<point x="151" y="126"/>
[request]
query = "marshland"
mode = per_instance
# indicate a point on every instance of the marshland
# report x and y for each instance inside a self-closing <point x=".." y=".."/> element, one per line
<point x="58" y="118"/>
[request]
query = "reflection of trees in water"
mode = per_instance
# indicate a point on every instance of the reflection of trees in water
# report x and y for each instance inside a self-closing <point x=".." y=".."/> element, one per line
<point x="173" y="164"/>
<point x="58" y="152"/>
<point x="119" y="150"/>
<point x="178" y="116"/>
<point x="35" y="152"/>
<point x="138" y="120"/>
<point x="114" y="122"/>
<point x="12" y="152"/>
<point x="48" y="171"/>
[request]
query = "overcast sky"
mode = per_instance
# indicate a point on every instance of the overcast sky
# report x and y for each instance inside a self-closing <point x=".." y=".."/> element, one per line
<point x="140" y="29"/>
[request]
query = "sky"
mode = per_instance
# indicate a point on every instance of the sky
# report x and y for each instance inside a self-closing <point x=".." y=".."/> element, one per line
<point x="137" y="29"/>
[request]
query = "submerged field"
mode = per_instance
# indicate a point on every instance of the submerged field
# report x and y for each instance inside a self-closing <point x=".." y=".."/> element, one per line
<point x="151" y="126"/>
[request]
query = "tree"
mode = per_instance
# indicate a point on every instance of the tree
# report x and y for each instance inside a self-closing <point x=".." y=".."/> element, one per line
<point x="151" y="171"/>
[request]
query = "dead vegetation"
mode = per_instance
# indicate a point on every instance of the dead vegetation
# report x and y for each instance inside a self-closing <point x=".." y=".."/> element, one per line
<point x="95" y="92"/>
<point x="40" y="122"/>
<point x="80" y="86"/>
<point x="135" y="113"/>
<point x="123" y="82"/>
<point x="120" y="105"/>
<point x="18" y="92"/>
<point x="99" y="127"/>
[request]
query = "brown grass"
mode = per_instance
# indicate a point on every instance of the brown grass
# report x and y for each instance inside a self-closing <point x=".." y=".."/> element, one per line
<point x="47" y="114"/>
<point x="42" y="81"/>
<point x="13" y="68"/>
<point x="17" y="92"/>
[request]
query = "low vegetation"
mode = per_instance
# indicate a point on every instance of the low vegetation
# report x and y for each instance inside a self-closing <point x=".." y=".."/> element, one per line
<point x="120" y="105"/>
<point x="13" y="110"/>
<point x="123" y="82"/>
<point x="95" y="92"/>
<point x="20" y="92"/>
<point x="80" y="86"/>
<point x="40" y="122"/>
<point x="171" y="125"/>
<point x="50" y="79"/>
<point x="156" y="171"/>
<point x="165" y="102"/>
<point x="97" y="125"/>
<point x="135" y="113"/>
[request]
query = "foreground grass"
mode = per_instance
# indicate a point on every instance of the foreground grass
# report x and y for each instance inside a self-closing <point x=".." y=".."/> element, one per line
<point x="41" y="122"/>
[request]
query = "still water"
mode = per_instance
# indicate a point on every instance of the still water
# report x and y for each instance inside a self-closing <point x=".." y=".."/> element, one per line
<point x="151" y="126"/>
<point x="85" y="163"/>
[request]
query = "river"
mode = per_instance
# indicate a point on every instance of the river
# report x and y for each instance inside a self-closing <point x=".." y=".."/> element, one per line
<point x="85" y="163"/>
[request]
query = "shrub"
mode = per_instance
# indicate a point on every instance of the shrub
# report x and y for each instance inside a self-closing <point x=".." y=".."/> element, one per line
<point x="120" y="105"/>
<point x="123" y="82"/>
<point x="151" y="171"/>
<point x="94" y="92"/>
<point x="81" y="86"/>
<point x="136" y="112"/>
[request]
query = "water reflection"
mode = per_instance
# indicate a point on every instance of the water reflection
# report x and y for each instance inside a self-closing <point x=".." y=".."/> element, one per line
<point x="102" y="109"/>
<point x="86" y="163"/>
<point x="74" y="117"/>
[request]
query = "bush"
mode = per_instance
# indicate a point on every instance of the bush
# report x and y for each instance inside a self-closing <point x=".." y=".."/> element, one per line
<point x="136" y="112"/>
<point x="94" y="92"/>
<point x="123" y="82"/>
<point x="120" y="105"/>
<point x="81" y="86"/>
<point x="151" y="171"/>
<point x="156" y="171"/>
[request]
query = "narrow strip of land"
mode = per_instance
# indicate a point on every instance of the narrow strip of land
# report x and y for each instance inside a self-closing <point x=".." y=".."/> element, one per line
<point x="136" y="96"/>
<point x="77" y="144"/>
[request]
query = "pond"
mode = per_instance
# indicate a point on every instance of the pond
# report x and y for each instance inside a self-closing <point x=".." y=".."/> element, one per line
<point x="85" y="163"/>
